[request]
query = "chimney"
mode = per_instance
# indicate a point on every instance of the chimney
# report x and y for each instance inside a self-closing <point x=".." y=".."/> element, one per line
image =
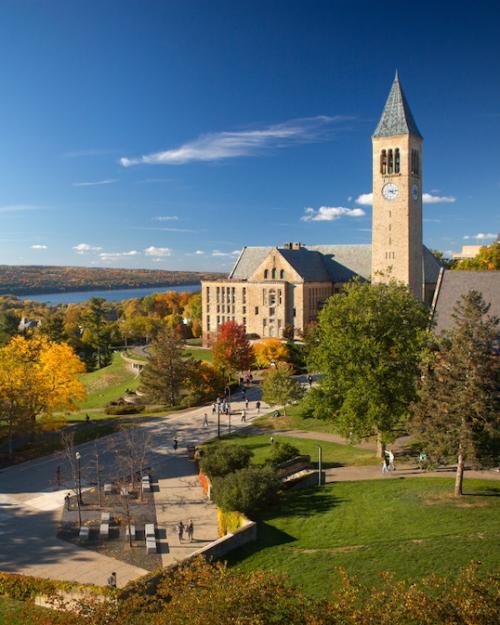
<point x="292" y="245"/>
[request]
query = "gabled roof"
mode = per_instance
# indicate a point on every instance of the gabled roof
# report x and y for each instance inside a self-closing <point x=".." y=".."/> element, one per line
<point x="454" y="284"/>
<point x="345" y="262"/>
<point x="248" y="261"/>
<point x="396" y="118"/>
<point x="307" y="263"/>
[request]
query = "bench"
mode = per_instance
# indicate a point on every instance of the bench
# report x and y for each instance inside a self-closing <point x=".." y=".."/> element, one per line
<point x="105" y="517"/>
<point x="104" y="530"/>
<point x="151" y="545"/>
<point x="108" y="489"/>
<point x="146" y="484"/>
<point x="149" y="531"/>
<point x="84" y="533"/>
<point x="132" y="531"/>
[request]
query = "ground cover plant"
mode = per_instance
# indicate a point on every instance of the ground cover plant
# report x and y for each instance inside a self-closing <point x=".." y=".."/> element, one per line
<point x="409" y="528"/>
<point x="334" y="454"/>
<point x="108" y="384"/>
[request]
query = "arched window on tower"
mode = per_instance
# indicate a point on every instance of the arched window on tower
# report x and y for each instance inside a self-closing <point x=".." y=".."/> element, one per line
<point x="415" y="163"/>
<point x="383" y="162"/>
<point x="266" y="274"/>
<point x="390" y="164"/>
<point x="396" y="161"/>
<point x="282" y="274"/>
<point x="273" y="273"/>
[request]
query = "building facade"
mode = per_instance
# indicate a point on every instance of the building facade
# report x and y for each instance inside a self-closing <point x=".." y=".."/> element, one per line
<point x="271" y="288"/>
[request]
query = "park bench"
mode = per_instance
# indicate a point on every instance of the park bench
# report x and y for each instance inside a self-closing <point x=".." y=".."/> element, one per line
<point x="104" y="530"/>
<point x="132" y="531"/>
<point x="149" y="530"/>
<point x="146" y="484"/>
<point x="84" y="533"/>
<point x="105" y="517"/>
<point x="151" y="545"/>
<point x="108" y="489"/>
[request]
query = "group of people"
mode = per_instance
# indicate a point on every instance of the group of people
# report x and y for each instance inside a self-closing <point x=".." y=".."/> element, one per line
<point x="187" y="529"/>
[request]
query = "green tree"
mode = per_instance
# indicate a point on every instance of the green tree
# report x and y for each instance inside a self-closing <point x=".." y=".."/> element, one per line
<point x="457" y="415"/>
<point x="9" y="323"/>
<point x="219" y="460"/>
<point x="367" y="346"/>
<point x="97" y="331"/>
<point x="232" y="350"/>
<point x="167" y="369"/>
<point x="247" y="490"/>
<point x="444" y="261"/>
<point x="53" y="325"/>
<point x="279" y="387"/>
<point x="488" y="259"/>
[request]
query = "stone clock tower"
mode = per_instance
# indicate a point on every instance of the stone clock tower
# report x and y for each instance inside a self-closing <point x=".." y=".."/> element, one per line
<point x="397" y="247"/>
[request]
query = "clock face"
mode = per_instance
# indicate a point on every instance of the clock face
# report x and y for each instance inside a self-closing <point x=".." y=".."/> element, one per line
<point x="414" y="191"/>
<point x="390" y="191"/>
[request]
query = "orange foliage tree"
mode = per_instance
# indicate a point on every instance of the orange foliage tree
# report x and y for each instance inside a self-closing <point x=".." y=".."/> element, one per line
<point x="270" y="351"/>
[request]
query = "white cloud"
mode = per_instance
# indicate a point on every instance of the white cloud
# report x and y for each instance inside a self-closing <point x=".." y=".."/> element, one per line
<point x="216" y="146"/>
<point x="116" y="255"/>
<point x="428" y="198"/>
<point x="38" y="246"/>
<point x="219" y="253"/>
<point x="84" y="248"/>
<point x="166" y="218"/>
<point x="95" y="183"/>
<point x="199" y="252"/>
<point x="482" y="236"/>
<point x="18" y="208"/>
<point x="366" y="199"/>
<point x="158" y="251"/>
<point x="330" y="213"/>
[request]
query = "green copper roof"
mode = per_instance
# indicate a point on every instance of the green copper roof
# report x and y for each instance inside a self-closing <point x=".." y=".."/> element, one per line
<point x="396" y="117"/>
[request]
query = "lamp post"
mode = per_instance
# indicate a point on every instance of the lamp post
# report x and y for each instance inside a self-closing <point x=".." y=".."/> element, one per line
<point x="218" y="417"/>
<point x="320" y="463"/>
<point x="78" y="458"/>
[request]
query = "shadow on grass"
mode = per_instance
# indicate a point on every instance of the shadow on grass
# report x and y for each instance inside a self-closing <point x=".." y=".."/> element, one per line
<point x="493" y="491"/>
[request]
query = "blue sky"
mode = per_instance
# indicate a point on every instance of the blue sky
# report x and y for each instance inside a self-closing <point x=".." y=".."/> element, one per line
<point x="170" y="134"/>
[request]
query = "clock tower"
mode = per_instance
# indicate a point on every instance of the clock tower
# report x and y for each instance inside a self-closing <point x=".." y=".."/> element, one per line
<point x="397" y="247"/>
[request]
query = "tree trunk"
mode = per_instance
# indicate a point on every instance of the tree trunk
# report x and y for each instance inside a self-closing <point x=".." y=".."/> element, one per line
<point x="380" y="445"/>
<point x="459" y="476"/>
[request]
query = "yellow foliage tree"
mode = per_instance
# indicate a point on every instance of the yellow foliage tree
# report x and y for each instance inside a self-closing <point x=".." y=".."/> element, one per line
<point x="37" y="376"/>
<point x="270" y="351"/>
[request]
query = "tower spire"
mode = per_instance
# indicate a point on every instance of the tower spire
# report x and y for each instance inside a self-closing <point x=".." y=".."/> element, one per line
<point x="396" y="118"/>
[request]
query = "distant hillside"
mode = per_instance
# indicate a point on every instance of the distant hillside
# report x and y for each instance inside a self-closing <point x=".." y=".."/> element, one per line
<point x="32" y="279"/>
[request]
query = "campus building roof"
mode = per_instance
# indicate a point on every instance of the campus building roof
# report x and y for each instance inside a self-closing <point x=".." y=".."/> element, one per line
<point x="396" y="118"/>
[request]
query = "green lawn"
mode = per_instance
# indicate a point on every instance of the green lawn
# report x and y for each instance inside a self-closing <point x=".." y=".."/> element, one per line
<point x="411" y="527"/>
<point x="108" y="384"/>
<point x="295" y="421"/>
<point x="333" y="453"/>
<point x="199" y="354"/>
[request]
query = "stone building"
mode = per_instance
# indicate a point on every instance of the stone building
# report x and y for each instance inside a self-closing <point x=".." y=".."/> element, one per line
<point x="270" y="288"/>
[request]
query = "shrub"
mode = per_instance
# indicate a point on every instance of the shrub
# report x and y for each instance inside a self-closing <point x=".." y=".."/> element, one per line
<point x="281" y="452"/>
<point x="219" y="460"/>
<point x="247" y="490"/>
<point x="229" y="521"/>
<point x="124" y="409"/>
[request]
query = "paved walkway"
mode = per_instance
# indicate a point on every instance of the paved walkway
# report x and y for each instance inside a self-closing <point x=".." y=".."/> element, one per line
<point x="374" y="472"/>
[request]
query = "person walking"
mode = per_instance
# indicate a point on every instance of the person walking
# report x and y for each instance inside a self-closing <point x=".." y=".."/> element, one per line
<point x="205" y="420"/>
<point x="243" y="416"/>
<point x="190" y="530"/>
<point x="246" y="403"/>
<point x="214" y="408"/>
<point x="257" y="405"/>
<point x="67" y="500"/>
<point x="179" y="528"/>
<point x="112" y="580"/>
<point x="385" y="465"/>
<point x="175" y="444"/>
<point x="390" y="457"/>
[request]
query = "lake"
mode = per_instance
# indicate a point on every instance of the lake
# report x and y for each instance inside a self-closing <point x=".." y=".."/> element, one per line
<point x="113" y="295"/>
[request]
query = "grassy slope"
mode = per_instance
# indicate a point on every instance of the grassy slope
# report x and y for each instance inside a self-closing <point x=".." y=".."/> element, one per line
<point x="108" y="383"/>
<point x="411" y="527"/>
<point x="294" y="420"/>
<point x="199" y="354"/>
<point x="333" y="454"/>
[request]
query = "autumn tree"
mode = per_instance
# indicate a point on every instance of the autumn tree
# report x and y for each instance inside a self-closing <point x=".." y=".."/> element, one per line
<point x="280" y="387"/>
<point x="232" y="350"/>
<point x="37" y="377"/>
<point x="167" y="369"/>
<point x="487" y="259"/>
<point x="367" y="346"/>
<point x="457" y="414"/>
<point x="270" y="351"/>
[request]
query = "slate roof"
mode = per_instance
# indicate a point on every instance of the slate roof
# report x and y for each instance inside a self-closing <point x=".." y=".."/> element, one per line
<point x="396" y="118"/>
<point x="454" y="284"/>
<point x="324" y="263"/>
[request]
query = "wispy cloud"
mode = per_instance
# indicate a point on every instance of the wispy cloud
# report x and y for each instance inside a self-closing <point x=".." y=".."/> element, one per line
<point x="166" y="218"/>
<point x="330" y="213"/>
<point x="216" y="146"/>
<point x="199" y="252"/>
<point x="85" y="248"/>
<point x="95" y="183"/>
<point x="117" y="255"/>
<point x="482" y="236"/>
<point x="219" y="253"/>
<point x="38" y="246"/>
<point x="158" y="251"/>
<point x="19" y="208"/>
<point x="366" y="199"/>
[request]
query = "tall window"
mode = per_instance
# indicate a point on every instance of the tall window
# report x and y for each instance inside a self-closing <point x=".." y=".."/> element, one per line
<point x="272" y="297"/>
<point x="396" y="161"/>
<point x="266" y="274"/>
<point x="273" y="274"/>
<point x="383" y="162"/>
<point x="390" y="166"/>
<point x="415" y="163"/>
<point x="282" y="274"/>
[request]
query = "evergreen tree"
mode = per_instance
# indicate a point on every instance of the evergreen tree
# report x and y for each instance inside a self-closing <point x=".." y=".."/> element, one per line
<point x="97" y="332"/>
<point x="457" y="416"/>
<point x="167" y="370"/>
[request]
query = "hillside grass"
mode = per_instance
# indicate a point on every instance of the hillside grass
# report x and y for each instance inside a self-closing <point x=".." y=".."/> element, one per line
<point x="25" y="613"/>
<point x="334" y="454"/>
<point x="199" y="353"/>
<point x="294" y="421"/>
<point x="108" y="384"/>
<point x="408" y="527"/>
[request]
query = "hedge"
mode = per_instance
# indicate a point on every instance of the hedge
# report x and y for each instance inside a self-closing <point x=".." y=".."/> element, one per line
<point x="24" y="587"/>
<point x="124" y="409"/>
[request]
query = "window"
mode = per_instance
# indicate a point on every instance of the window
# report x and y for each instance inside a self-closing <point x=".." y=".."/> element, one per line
<point x="390" y="165"/>
<point x="208" y="323"/>
<point x="218" y="321"/>
<point x="218" y="293"/>
<point x="383" y="162"/>
<point x="272" y="297"/>
<point x="294" y="312"/>
<point x="272" y="312"/>
<point x="256" y="310"/>
<point x="208" y="295"/>
<point x="244" y="294"/>
<point x="279" y="296"/>
<point x="266" y="274"/>
<point x="415" y="163"/>
<point x="396" y="161"/>
<point x="218" y="308"/>
<point x="282" y="274"/>
<point x="273" y="273"/>
<point x="244" y="310"/>
<point x="245" y="322"/>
